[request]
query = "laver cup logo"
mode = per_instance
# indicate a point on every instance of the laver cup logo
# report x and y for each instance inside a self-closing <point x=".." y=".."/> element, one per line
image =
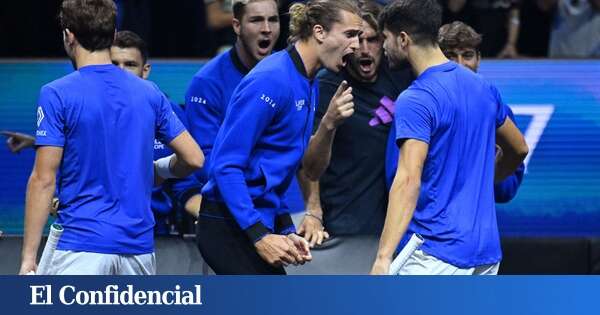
<point x="40" y="115"/>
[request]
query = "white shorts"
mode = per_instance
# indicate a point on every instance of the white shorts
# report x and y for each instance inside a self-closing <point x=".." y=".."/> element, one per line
<point x="86" y="263"/>
<point x="421" y="263"/>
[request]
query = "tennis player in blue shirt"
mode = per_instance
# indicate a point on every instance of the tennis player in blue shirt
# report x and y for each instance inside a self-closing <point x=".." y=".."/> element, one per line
<point x="98" y="125"/>
<point x="256" y="23"/>
<point x="129" y="52"/>
<point x="460" y="43"/>
<point x="244" y="224"/>
<point x="447" y="124"/>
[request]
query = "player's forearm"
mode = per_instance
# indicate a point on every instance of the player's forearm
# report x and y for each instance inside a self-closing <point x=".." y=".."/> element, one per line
<point x="192" y="206"/>
<point x="182" y="166"/>
<point x="506" y="190"/>
<point x="37" y="207"/>
<point x="234" y="190"/>
<point x="314" y="199"/>
<point x="311" y="193"/>
<point x="401" y="206"/>
<point x="317" y="156"/>
<point x="509" y="163"/>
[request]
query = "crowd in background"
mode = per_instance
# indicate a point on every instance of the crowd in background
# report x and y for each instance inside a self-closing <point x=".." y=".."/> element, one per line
<point x="202" y="28"/>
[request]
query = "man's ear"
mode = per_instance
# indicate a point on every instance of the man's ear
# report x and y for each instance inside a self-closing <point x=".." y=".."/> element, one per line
<point x="236" y="26"/>
<point x="68" y="37"/>
<point x="403" y="40"/>
<point x="146" y="71"/>
<point x="319" y="33"/>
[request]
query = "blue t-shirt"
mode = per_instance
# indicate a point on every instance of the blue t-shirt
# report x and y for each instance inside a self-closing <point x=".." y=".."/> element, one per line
<point x="504" y="191"/>
<point x="173" y="192"/>
<point x="259" y="147"/>
<point x="206" y="101"/>
<point x="456" y="112"/>
<point x="105" y="119"/>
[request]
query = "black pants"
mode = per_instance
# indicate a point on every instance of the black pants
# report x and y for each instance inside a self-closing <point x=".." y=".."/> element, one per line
<point x="225" y="246"/>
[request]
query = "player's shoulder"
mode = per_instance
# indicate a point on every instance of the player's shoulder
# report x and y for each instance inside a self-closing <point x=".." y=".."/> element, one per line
<point x="476" y="82"/>
<point x="215" y="66"/>
<point x="138" y="84"/>
<point x="64" y="84"/>
<point x="279" y="62"/>
<point x="417" y="92"/>
<point x="469" y="76"/>
<point x="271" y="73"/>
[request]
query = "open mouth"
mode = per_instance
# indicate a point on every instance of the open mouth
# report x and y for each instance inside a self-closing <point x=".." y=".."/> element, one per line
<point x="264" y="43"/>
<point x="366" y="64"/>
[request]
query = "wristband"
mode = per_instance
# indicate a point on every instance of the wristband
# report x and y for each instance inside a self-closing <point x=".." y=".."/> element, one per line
<point x="163" y="167"/>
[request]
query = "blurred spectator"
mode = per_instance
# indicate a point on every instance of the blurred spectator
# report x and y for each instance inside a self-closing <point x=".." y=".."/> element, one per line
<point x="179" y="29"/>
<point x="576" y="29"/>
<point x="218" y="20"/>
<point x="134" y="15"/>
<point x="28" y="29"/>
<point x="536" y="21"/>
<point x="284" y="22"/>
<point x="497" y="20"/>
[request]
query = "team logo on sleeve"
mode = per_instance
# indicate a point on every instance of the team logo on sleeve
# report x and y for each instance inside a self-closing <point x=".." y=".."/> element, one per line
<point x="40" y="115"/>
<point x="158" y="145"/>
<point x="300" y="104"/>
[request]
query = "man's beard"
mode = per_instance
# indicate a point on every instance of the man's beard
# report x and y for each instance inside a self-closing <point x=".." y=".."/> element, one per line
<point x="398" y="63"/>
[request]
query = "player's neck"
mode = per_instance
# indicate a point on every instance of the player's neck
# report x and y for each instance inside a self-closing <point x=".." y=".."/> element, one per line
<point x="308" y="54"/>
<point x="84" y="57"/>
<point x="247" y="60"/>
<point x="422" y="58"/>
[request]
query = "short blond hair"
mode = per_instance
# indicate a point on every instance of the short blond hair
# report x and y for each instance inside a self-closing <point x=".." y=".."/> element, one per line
<point x="238" y="7"/>
<point x="304" y="16"/>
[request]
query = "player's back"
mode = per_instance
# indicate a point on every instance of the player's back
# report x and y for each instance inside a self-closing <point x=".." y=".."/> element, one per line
<point x="455" y="210"/>
<point x="107" y="119"/>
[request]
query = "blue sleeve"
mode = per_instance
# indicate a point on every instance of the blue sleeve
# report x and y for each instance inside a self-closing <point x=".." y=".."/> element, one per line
<point x="178" y="110"/>
<point x="415" y="115"/>
<point x="501" y="112"/>
<point x="253" y="106"/>
<point x="204" y="110"/>
<point x="184" y="188"/>
<point x="391" y="157"/>
<point x="506" y="190"/>
<point x="283" y="221"/>
<point x="168" y="126"/>
<point x="50" y="119"/>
